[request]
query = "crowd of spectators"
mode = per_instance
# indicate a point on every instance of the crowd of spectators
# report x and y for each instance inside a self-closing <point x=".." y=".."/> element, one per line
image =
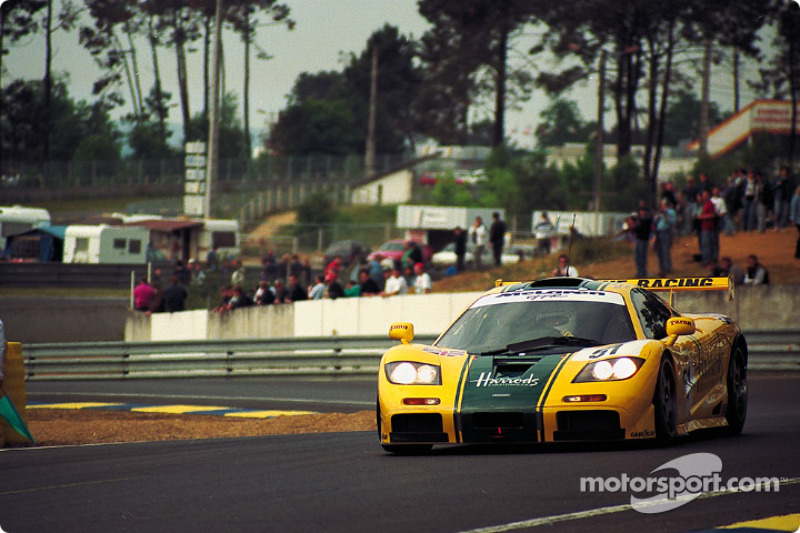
<point x="364" y="279"/>
<point x="748" y="201"/>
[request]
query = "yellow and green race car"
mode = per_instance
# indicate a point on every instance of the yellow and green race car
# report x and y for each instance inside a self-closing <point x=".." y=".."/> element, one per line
<point x="565" y="359"/>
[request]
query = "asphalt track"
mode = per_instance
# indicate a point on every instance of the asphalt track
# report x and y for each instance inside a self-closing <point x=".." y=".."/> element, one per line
<point x="345" y="482"/>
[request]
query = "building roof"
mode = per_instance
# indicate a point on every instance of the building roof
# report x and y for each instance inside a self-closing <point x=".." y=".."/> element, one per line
<point x="167" y="224"/>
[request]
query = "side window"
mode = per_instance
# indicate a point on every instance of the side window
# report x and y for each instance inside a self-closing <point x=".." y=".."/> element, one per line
<point x="653" y="313"/>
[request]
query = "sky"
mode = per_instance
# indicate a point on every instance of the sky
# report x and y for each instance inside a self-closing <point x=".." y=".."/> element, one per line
<point x="325" y="30"/>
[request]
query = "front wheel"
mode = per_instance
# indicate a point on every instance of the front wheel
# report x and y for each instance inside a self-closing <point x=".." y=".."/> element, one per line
<point x="407" y="449"/>
<point x="665" y="401"/>
<point x="736" y="411"/>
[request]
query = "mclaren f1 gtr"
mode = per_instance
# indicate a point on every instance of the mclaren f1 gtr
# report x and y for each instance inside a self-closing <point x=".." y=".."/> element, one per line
<point x="565" y="359"/>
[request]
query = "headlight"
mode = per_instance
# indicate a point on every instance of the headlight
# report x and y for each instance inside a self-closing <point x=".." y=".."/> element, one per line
<point x="408" y="373"/>
<point x="610" y="370"/>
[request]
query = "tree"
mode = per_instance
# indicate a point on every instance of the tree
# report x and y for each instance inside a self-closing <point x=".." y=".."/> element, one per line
<point x="780" y="77"/>
<point x="470" y="39"/>
<point x="17" y="23"/>
<point x="327" y="111"/>
<point x="245" y="22"/>
<point x="562" y="123"/>
<point x="117" y="59"/>
<point x="683" y="118"/>
<point x="398" y="82"/>
<point x="179" y="25"/>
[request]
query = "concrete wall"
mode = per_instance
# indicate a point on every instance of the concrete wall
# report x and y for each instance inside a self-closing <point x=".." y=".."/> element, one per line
<point x="46" y="320"/>
<point x="753" y="308"/>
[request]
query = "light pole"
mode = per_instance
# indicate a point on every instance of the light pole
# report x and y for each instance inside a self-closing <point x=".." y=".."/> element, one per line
<point x="599" y="148"/>
<point x="213" y="122"/>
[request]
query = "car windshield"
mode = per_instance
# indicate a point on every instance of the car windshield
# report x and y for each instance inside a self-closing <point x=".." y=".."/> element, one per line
<point x="540" y="319"/>
<point x="393" y="246"/>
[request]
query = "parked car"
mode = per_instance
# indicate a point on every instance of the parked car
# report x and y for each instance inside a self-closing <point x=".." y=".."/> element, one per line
<point x="348" y="250"/>
<point x="395" y="249"/>
<point x="447" y="256"/>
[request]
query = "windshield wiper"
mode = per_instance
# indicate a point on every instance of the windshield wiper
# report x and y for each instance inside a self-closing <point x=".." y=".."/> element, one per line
<point x="541" y="343"/>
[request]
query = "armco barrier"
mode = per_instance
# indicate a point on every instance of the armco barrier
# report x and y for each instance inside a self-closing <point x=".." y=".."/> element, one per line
<point x="329" y="356"/>
<point x="770" y="350"/>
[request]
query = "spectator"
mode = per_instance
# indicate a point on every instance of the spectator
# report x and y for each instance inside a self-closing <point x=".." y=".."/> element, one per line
<point x="756" y="272"/>
<point x="157" y="302"/>
<point x="238" y="275"/>
<point x="664" y="223"/>
<point x="564" y="269"/>
<point x="727" y="268"/>
<point x="782" y="193"/>
<point x="335" y="290"/>
<point x="751" y="193"/>
<point x="690" y="197"/>
<point x="395" y="285"/>
<point x="281" y="292"/>
<point x="264" y="294"/>
<point x="212" y="260"/>
<point x="333" y="268"/>
<point x="376" y="273"/>
<point x="174" y="296"/>
<point x="422" y="280"/>
<point x="497" y="236"/>
<point x="142" y="295"/>
<point x="477" y="236"/>
<point x="794" y="218"/>
<point x="183" y="273"/>
<point x="411" y="256"/>
<point x="296" y="290"/>
<point x="709" y="239"/>
<point x="641" y="229"/>
<point x="543" y="231"/>
<point x="766" y="203"/>
<point x="353" y="289"/>
<point x="239" y="299"/>
<point x="460" y="239"/>
<point x="317" y="291"/>
<point x="368" y="287"/>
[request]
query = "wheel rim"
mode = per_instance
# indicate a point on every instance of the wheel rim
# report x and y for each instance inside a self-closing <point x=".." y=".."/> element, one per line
<point x="739" y="385"/>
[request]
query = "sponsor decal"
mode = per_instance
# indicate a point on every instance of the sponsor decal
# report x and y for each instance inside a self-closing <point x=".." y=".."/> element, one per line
<point x="399" y="326"/>
<point x="668" y="283"/>
<point x="678" y="482"/>
<point x="486" y="380"/>
<point x="644" y="434"/>
<point x="551" y="295"/>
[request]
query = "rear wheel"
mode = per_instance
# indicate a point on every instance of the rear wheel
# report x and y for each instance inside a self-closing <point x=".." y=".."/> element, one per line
<point x="736" y="412"/>
<point x="665" y="401"/>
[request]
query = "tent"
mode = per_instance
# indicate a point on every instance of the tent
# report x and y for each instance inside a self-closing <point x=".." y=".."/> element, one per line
<point x="40" y="244"/>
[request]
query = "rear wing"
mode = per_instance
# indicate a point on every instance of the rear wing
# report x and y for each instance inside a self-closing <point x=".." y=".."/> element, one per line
<point x="682" y="284"/>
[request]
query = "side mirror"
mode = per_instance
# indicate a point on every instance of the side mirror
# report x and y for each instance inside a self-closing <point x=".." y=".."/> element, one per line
<point x="677" y="326"/>
<point x="402" y="331"/>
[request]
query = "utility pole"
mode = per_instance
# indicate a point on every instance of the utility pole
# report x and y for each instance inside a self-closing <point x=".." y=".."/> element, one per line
<point x="705" y="99"/>
<point x="213" y="119"/>
<point x="598" y="150"/>
<point x="369" y="161"/>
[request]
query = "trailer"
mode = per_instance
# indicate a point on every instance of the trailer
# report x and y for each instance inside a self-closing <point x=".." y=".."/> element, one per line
<point x="105" y="244"/>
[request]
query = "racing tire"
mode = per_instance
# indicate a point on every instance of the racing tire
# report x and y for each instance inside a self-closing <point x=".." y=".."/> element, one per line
<point x="665" y="401"/>
<point x="736" y="412"/>
<point x="407" y="449"/>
